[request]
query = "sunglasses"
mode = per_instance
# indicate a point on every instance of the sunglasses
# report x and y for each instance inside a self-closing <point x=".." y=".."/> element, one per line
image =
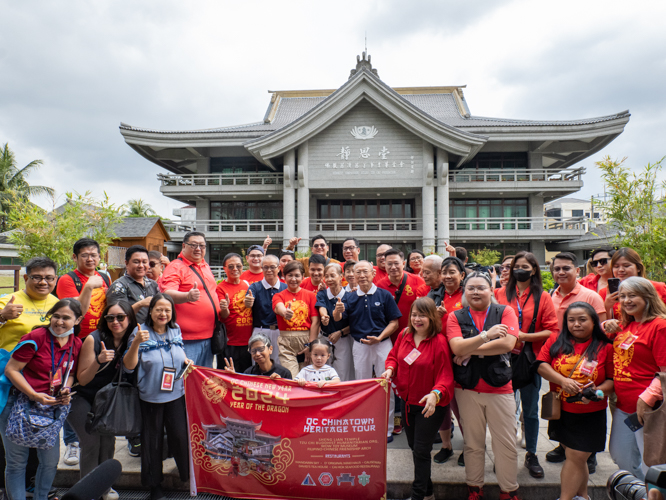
<point x="600" y="262"/>
<point x="110" y="318"/>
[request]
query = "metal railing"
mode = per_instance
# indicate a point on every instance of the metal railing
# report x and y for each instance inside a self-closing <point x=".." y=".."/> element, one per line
<point x="267" y="226"/>
<point x="361" y="225"/>
<point x="516" y="223"/>
<point x="527" y="175"/>
<point x="237" y="179"/>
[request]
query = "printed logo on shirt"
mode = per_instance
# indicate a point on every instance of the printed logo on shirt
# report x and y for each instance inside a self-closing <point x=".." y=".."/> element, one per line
<point x="622" y="357"/>
<point x="300" y="316"/>
<point x="564" y="364"/>
<point x="408" y="291"/>
<point x="244" y="315"/>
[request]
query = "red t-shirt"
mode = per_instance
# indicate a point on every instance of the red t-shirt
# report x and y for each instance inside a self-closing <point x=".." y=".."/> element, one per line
<point x="658" y="286"/>
<point x="380" y="274"/>
<point x="546" y="320"/>
<point x="509" y="319"/>
<point x="239" y="321"/>
<point x="251" y="277"/>
<point x="302" y="303"/>
<point x="564" y="363"/>
<point x="590" y="281"/>
<point x="431" y="370"/>
<point x="66" y="288"/>
<point x="407" y="298"/>
<point x="39" y="363"/>
<point x="306" y="284"/>
<point x="636" y="365"/>
<point x="451" y="303"/>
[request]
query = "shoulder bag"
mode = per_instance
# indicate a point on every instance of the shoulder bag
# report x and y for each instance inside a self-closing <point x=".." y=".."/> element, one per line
<point x="34" y="425"/>
<point x="551" y="404"/>
<point x="654" y="430"/>
<point x="521" y="364"/>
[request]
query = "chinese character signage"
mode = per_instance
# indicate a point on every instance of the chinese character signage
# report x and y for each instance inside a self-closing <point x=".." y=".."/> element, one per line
<point x="253" y="437"/>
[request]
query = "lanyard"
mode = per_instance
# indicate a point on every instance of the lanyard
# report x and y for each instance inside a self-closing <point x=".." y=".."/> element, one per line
<point x="520" y="309"/>
<point x="469" y="311"/>
<point x="54" y="367"/>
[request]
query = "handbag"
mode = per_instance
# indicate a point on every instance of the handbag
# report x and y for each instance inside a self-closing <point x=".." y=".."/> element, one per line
<point x="5" y="383"/>
<point x="551" y="404"/>
<point x="654" y="431"/>
<point x="521" y="364"/>
<point x="116" y="409"/>
<point x="34" y="425"/>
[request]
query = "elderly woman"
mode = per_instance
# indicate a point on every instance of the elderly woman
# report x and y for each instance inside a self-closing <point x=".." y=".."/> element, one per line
<point x="260" y="348"/>
<point x="482" y="335"/>
<point x="414" y="262"/>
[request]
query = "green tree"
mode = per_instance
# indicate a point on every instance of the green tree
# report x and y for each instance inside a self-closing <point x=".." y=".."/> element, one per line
<point x="53" y="233"/>
<point x="138" y="208"/>
<point x="13" y="182"/>
<point x="485" y="257"/>
<point x="547" y="280"/>
<point x="634" y="206"/>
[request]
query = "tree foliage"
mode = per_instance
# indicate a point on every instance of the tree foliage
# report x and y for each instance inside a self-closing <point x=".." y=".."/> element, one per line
<point x="53" y="234"/>
<point x="138" y="208"/>
<point x="485" y="257"/>
<point x="634" y="206"/>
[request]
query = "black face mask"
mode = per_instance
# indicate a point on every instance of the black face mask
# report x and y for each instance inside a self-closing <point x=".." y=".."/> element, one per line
<point x="522" y="275"/>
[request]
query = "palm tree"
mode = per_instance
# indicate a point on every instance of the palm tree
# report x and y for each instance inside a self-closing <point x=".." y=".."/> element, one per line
<point x="13" y="181"/>
<point x="138" y="208"/>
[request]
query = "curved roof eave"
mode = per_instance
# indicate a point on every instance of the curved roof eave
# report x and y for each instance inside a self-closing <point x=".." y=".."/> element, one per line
<point x="364" y="85"/>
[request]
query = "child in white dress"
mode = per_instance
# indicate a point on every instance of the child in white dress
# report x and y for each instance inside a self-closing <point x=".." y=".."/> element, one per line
<point x="318" y="371"/>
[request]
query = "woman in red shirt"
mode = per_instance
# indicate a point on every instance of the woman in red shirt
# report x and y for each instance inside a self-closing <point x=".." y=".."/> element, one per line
<point x="481" y="336"/>
<point x="600" y="261"/>
<point x="420" y="365"/>
<point x="522" y="292"/>
<point x="580" y="356"/>
<point x="298" y="319"/>
<point x="639" y="352"/>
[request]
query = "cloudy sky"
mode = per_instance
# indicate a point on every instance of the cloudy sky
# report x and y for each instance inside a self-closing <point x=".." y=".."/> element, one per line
<point x="71" y="71"/>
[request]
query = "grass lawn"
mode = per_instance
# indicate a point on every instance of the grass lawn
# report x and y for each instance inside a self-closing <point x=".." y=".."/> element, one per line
<point x="9" y="281"/>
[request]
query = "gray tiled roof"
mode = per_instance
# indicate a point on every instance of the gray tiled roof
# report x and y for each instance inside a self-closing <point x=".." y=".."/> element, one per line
<point x="135" y="227"/>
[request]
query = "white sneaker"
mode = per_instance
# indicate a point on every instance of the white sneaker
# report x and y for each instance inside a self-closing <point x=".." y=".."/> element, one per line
<point x="72" y="454"/>
<point x="111" y="495"/>
<point x="522" y="437"/>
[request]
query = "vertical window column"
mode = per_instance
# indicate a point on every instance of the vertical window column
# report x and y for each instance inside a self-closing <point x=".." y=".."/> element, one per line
<point x="289" y="197"/>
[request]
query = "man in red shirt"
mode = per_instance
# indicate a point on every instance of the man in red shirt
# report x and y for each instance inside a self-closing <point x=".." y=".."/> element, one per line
<point x="236" y="317"/>
<point x="380" y="268"/>
<point x="196" y="312"/>
<point x="315" y="282"/>
<point x="254" y="256"/>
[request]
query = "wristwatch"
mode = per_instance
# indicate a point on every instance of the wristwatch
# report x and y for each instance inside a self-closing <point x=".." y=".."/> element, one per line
<point x="484" y="336"/>
<point x="3" y="320"/>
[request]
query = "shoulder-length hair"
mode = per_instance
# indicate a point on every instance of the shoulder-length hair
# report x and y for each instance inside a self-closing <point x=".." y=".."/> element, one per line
<point x="632" y="256"/>
<point x="162" y="296"/>
<point x="477" y="274"/>
<point x="105" y="334"/>
<point x="73" y="304"/>
<point x="426" y="306"/>
<point x="536" y="285"/>
<point x="565" y="341"/>
<point x="654" y="307"/>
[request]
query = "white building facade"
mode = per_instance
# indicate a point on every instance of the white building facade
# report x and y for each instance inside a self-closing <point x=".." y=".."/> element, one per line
<point x="410" y="167"/>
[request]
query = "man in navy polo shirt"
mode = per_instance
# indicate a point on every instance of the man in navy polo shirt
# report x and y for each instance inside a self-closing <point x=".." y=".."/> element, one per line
<point x="259" y="298"/>
<point x="373" y="317"/>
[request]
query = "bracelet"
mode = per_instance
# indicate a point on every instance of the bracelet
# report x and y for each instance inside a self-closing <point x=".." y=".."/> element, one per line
<point x="437" y="394"/>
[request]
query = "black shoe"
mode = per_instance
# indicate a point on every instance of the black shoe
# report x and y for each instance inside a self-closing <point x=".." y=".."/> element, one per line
<point x="438" y="438"/>
<point x="532" y="465"/>
<point x="134" y="446"/>
<point x="461" y="460"/>
<point x="156" y="493"/>
<point x="443" y="455"/>
<point x="556" y="455"/>
<point x="592" y="463"/>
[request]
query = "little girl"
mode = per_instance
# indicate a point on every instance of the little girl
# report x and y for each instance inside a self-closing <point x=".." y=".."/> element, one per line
<point x="318" y="371"/>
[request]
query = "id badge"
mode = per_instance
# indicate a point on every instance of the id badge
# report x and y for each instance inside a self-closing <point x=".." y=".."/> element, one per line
<point x="587" y="367"/>
<point x="56" y="379"/>
<point x="168" y="378"/>
<point x="518" y="348"/>
<point x="628" y="342"/>
<point x="412" y="356"/>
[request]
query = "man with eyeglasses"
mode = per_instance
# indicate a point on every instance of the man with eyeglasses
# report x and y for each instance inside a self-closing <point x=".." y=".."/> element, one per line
<point x="85" y="284"/>
<point x="254" y="256"/>
<point x="319" y="247"/>
<point x="156" y="266"/>
<point x="134" y="287"/>
<point x="236" y="317"/>
<point x="351" y="249"/>
<point x="259" y="298"/>
<point x="380" y="268"/>
<point x="191" y="284"/>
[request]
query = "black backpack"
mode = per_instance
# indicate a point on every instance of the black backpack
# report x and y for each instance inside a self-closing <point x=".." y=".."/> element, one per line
<point x="77" y="281"/>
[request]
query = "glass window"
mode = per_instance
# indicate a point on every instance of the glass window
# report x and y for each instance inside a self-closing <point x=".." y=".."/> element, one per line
<point x="244" y="210"/>
<point x="576" y="213"/>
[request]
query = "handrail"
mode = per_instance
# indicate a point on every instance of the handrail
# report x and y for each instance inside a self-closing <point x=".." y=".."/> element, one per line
<point x="219" y="179"/>
<point x="524" y="175"/>
<point x="513" y="223"/>
<point x="216" y="225"/>
<point x="378" y="224"/>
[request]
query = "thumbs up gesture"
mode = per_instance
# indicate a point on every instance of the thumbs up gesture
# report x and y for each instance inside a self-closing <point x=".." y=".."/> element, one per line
<point x="441" y="310"/>
<point x="142" y="335"/>
<point x="288" y="313"/>
<point x="224" y="303"/>
<point x="267" y="241"/>
<point x="325" y="318"/>
<point x="194" y="294"/>
<point x="11" y="310"/>
<point x="106" y="355"/>
<point x="339" y="306"/>
<point x="249" y="299"/>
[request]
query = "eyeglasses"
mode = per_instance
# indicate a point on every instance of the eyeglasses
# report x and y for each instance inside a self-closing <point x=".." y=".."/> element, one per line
<point x="319" y="245"/>
<point x="393" y="264"/>
<point x="237" y="266"/>
<point x="565" y="269"/>
<point x="269" y="268"/>
<point x="415" y="259"/>
<point x="86" y="256"/>
<point x="110" y="318"/>
<point x="349" y="249"/>
<point x="476" y="288"/>
<point x="505" y="268"/>
<point x="257" y="350"/>
<point x="600" y="262"/>
<point x="194" y="246"/>
<point x="39" y="279"/>
<point x="153" y="263"/>
<point x="380" y="255"/>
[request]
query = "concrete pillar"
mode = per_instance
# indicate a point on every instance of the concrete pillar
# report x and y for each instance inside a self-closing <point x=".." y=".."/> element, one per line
<point x="203" y="213"/>
<point x="428" y="198"/>
<point x="538" y="248"/>
<point x="203" y="166"/>
<point x="442" y="200"/>
<point x="303" y="199"/>
<point x="534" y="161"/>
<point x="289" y="198"/>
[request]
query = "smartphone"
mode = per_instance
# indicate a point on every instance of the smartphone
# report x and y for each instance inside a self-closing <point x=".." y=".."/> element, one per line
<point x="300" y="358"/>
<point x="632" y="422"/>
<point x="613" y="285"/>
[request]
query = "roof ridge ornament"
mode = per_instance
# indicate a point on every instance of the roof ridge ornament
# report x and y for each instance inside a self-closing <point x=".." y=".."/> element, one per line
<point x="363" y="63"/>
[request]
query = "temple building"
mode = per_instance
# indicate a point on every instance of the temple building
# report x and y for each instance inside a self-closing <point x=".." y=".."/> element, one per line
<point x="411" y="167"/>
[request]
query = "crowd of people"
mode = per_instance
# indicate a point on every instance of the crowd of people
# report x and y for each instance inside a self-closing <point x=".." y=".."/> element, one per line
<point x="449" y="338"/>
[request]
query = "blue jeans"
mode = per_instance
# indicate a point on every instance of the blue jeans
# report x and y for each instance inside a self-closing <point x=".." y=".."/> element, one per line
<point x="199" y="352"/>
<point x="626" y="447"/>
<point x="68" y="434"/>
<point x="17" y="459"/>
<point x="529" y="397"/>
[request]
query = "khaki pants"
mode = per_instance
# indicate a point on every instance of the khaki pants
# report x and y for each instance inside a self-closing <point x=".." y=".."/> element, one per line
<point x="290" y="344"/>
<point x="498" y="412"/>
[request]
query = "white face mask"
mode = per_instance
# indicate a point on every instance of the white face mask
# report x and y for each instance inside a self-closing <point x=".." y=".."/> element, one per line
<point x="62" y="335"/>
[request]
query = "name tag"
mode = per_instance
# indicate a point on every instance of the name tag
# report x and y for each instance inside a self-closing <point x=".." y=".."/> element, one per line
<point x="412" y="356"/>
<point x="56" y="379"/>
<point x="168" y="377"/>
<point x="587" y="367"/>
<point x="628" y="342"/>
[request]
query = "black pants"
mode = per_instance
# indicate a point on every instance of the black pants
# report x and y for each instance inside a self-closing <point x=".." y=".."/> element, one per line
<point x="421" y="433"/>
<point x="240" y="355"/>
<point x="156" y="417"/>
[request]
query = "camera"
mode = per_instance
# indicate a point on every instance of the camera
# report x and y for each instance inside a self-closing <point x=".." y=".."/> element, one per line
<point x="623" y="485"/>
<point x="473" y="266"/>
<point x="588" y="393"/>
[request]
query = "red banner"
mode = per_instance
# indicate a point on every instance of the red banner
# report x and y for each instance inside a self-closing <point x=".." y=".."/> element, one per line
<point x="253" y="437"/>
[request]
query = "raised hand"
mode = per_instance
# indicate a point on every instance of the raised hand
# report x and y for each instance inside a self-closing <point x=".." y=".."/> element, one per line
<point x="288" y="314"/>
<point x="249" y="299"/>
<point x="441" y="310"/>
<point x="267" y="241"/>
<point x="224" y="303"/>
<point x="194" y="294"/>
<point x="142" y="336"/>
<point x="339" y="306"/>
<point x="11" y="310"/>
<point x="293" y="242"/>
<point x="229" y="365"/>
<point x="95" y="282"/>
<point x="106" y="355"/>
<point x="322" y="287"/>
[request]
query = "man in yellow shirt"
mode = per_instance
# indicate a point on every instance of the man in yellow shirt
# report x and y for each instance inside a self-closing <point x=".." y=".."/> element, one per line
<point x="22" y="311"/>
